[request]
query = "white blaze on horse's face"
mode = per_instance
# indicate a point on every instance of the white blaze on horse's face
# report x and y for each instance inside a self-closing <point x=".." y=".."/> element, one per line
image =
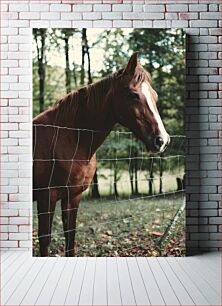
<point x="147" y="91"/>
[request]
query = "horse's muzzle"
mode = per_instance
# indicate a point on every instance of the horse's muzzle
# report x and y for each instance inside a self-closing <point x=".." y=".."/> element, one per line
<point x="160" y="144"/>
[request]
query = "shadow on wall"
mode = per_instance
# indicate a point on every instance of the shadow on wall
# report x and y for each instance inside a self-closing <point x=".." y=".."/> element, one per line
<point x="192" y="130"/>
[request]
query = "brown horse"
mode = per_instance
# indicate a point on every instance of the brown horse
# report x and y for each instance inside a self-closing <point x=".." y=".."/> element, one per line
<point x="66" y="137"/>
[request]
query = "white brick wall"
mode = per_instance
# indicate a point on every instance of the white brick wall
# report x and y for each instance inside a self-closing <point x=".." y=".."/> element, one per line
<point x="200" y="18"/>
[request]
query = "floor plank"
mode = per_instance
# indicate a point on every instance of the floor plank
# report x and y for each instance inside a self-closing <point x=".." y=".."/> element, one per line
<point x="190" y="286"/>
<point x="165" y="287"/>
<point x="100" y="283"/>
<point x="17" y="296"/>
<point x="211" y="261"/>
<point x="10" y="261"/>
<point x="12" y="270"/>
<point x="208" y="292"/>
<point x="75" y="285"/>
<point x="5" y="255"/>
<point x="113" y="285"/>
<point x="17" y="278"/>
<point x="63" y="284"/>
<point x="39" y="283"/>
<point x="47" y="291"/>
<point x="179" y="289"/>
<point x="86" y="294"/>
<point x="126" y="289"/>
<point x="213" y="279"/>
<point x="154" y="293"/>
<point x="110" y="281"/>
<point x="139" y="289"/>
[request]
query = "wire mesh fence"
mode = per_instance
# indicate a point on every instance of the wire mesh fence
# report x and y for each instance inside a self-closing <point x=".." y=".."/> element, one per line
<point x="132" y="203"/>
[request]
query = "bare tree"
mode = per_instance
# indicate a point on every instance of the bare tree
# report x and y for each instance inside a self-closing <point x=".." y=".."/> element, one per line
<point x="40" y="38"/>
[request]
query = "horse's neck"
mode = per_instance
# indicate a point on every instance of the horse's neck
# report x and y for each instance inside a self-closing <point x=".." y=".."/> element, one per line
<point x="96" y="114"/>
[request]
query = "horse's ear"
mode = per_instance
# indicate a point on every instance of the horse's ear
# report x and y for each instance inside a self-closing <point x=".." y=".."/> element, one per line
<point x="132" y="64"/>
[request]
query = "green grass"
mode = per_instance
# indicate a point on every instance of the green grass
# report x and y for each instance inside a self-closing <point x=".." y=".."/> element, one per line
<point x="111" y="227"/>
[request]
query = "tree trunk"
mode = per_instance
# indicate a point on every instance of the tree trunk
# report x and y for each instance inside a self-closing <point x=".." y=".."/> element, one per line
<point x="95" y="187"/>
<point x="151" y="178"/>
<point x="136" y="174"/>
<point x="88" y="57"/>
<point x="161" y="173"/>
<point x="74" y="74"/>
<point x="67" y="70"/>
<point x="40" y="35"/>
<point x="115" y="182"/>
<point x="82" y="73"/>
<point x="131" y="181"/>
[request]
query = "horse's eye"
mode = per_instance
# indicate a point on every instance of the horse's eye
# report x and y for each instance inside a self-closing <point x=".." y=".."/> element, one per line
<point x="134" y="96"/>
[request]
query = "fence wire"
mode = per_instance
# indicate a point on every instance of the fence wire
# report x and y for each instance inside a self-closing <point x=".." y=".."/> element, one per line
<point x="139" y="195"/>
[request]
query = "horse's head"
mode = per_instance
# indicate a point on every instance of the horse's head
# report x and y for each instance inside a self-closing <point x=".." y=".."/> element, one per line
<point x="136" y="108"/>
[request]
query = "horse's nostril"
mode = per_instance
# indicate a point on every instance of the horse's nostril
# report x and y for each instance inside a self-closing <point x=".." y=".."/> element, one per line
<point x="159" y="142"/>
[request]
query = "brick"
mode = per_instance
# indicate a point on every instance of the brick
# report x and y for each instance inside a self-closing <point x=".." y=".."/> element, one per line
<point x="71" y="16"/>
<point x="215" y="236"/>
<point x="9" y="228"/>
<point x="9" y="31"/>
<point x="207" y="55"/>
<point x="102" y="7"/>
<point x="82" y="8"/>
<point x="154" y="8"/>
<point x="208" y="39"/>
<point x="112" y="15"/>
<point x="18" y="236"/>
<point x="25" y="244"/>
<point x="135" y="15"/>
<point x="215" y="63"/>
<point x="4" y="7"/>
<point x="203" y="23"/>
<point x="199" y="236"/>
<point x="93" y="15"/>
<point x="162" y="23"/>
<point x="177" y="8"/>
<point x="215" y="220"/>
<point x="82" y="24"/>
<point x="19" y="118"/>
<point x="137" y="7"/>
<point x="216" y="79"/>
<point x="60" y="7"/>
<point x="187" y="16"/>
<point x="19" y="71"/>
<point x="60" y="24"/>
<point x="197" y="7"/>
<point x="18" y="23"/>
<point x="29" y="15"/>
<point x="122" y="23"/>
<point x="39" y="24"/>
<point x="38" y="7"/>
<point x="121" y="7"/>
<point x="9" y="244"/>
<point x="9" y="212"/>
<point x="213" y="7"/>
<point x="171" y="16"/>
<point x="204" y="31"/>
<point x="51" y="16"/>
<point x="9" y="126"/>
<point x="207" y="16"/>
<point x="24" y="229"/>
<point x="215" y="31"/>
<point x="24" y="212"/>
<point x="102" y="23"/>
<point x="22" y="7"/>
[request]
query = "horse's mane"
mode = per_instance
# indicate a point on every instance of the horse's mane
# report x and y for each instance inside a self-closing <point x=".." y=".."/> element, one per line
<point x="92" y="96"/>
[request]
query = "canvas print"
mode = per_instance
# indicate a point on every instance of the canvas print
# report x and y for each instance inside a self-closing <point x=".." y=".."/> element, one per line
<point x="108" y="142"/>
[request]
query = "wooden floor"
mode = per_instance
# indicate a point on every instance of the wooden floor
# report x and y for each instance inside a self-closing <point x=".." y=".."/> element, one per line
<point x="110" y="281"/>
